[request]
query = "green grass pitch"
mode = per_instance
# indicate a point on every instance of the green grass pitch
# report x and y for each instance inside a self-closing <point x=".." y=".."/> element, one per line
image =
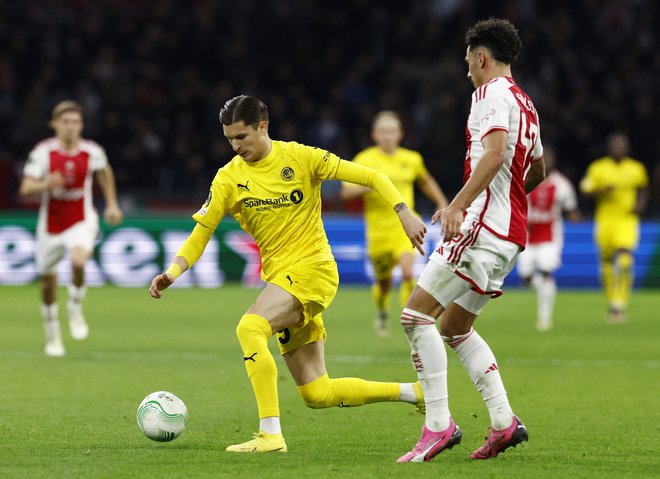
<point x="588" y="391"/>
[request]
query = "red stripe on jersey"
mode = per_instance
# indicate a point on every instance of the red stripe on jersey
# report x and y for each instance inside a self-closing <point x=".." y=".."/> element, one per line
<point x="522" y="158"/>
<point x="492" y="129"/>
<point x="467" y="167"/>
<point x="541" y="219"/>
<point x="66" y="206"/>
<point x="460" y="241"/>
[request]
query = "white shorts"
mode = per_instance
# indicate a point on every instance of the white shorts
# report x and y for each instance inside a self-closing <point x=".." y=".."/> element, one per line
<point x="50" y="248"/>
<point x="544" y="257"/>
<point x="469" y="269"/>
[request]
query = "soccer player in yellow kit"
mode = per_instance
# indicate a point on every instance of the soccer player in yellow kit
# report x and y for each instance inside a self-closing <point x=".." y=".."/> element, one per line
<point x="272" y="188"/>
<point x="618" y="184"/>
<point x="387" y="245"/>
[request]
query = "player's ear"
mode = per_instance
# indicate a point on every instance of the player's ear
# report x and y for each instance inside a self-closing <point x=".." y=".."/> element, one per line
<point x="481" y="58"/>
<point x="263" y="127"/>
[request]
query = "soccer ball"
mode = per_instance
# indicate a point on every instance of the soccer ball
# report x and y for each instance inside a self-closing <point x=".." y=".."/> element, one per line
<point x="162" y="416"/>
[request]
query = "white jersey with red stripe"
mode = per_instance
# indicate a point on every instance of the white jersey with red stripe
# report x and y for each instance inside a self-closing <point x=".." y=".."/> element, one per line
<point x="501" y="208"/>
<point x="71" y="204"/>
<point x="546" y="203"/>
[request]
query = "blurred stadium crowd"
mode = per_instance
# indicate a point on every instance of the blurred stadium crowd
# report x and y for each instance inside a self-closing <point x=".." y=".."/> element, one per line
<point x="152" y="76"/>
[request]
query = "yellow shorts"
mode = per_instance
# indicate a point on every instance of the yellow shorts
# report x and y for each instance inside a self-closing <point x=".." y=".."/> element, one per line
<point x="617" y="234"/>
<point x="385" y="257"/>
<point x="315" y="286"/>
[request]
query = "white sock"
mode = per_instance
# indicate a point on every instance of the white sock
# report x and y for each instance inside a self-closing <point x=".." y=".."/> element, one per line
<point x="429" y="359"/>
<point x="547" y="290"/>
<point x="271" y="425"/>
<point x="480" y="363"/>
<point x="51" y="321"/>
<point x="77" y="294"/>
<point x="49" y="312"/>
<point x="407" y="393"/>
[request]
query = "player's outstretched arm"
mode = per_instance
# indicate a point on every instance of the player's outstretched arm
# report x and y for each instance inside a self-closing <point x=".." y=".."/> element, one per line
<point x="30" y="186"/>
<point x="432" y="191"/>
<point x="414" y="227"/>
<point x="451" y="217"/>
<point x="191" y="250"/>
<point x="106" y="178"/>
<point x="166" y="279"/>
<point x="350" y="192"/>
<point x="535" y="175"/>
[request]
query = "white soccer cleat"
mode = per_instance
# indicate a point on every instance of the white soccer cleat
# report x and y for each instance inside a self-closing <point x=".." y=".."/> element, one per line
<point x="77" y="325"/>
<point x="54" y="347"/>
<point x="380" y="324"/>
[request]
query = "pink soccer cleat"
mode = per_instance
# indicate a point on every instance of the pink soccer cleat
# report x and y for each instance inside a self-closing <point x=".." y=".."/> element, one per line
<point x="433" y="443"/>
<point x="499" y="441"/>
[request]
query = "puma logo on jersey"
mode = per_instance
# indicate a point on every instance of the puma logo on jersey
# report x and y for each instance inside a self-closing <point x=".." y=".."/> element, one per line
<point x="291" y="281"/>
<point x="250" y="358"/>
<point x="244" y="186"/>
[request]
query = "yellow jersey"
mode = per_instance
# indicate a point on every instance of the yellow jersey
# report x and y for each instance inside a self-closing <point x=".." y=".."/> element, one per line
<point x="277" y="200"/>
<point x="625" y="177"/>
<point x="403" y="168"/>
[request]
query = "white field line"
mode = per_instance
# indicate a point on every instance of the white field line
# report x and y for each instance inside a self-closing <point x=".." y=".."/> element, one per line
<point x="348" y="359"/>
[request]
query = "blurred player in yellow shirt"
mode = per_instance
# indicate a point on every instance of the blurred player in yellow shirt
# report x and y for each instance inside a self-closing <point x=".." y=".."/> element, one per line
<point x="273" y="189"/>
<point x="618" y="184"/>
<point x="387" y="244"/>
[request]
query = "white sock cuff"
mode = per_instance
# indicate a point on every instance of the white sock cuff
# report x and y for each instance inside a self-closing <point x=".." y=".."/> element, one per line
<point x="454" y="341"/>
<point x="410" y="317"/>
<point x="49" y="311"/>
<point x="76" y="293"/>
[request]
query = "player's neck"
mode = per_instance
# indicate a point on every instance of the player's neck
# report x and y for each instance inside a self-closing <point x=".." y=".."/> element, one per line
<point x="388" y="151"/>
<point x="268" y="147"/>
<point x="66" y="144"/>
<point x="496" y="72"/>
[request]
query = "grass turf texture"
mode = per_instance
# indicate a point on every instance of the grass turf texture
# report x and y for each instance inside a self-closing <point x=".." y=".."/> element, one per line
<point x="587" y="391"/>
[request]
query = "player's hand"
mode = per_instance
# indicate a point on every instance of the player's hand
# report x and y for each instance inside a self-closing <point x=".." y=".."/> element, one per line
<point x="450" y="219"/>
<point x="113" y="215"/>
<point x="414" y="228"/>
<point x="54" y="181"/>
<point x="159" y="283"/>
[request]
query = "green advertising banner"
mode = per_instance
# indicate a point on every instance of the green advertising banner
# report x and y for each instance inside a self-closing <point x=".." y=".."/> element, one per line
<point x="133" y="253"/>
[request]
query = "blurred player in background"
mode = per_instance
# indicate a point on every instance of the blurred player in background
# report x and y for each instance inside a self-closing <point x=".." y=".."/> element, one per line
<point x="485" y="228"/>
<point x="387" y="244"/>
<point x="545" y="239"/>
<point x="618" y="185"/>
<point x="61" y="170"/>
<point x="272" y="188"/>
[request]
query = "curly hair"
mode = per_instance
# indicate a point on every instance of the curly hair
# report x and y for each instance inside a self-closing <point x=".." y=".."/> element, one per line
<point x="498" y="35"/>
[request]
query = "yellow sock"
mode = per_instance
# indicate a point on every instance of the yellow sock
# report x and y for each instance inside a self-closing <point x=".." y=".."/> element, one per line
<point x="608" y="281"/>
<point x="624" y="263"/>
<point x="253" y="333"/>
<point x="405" y="290"/>
<point x="346" y="392"/>
<point x="381" y="300"/>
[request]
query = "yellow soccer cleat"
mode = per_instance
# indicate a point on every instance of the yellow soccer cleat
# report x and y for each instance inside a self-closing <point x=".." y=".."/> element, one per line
<point x="261" y="442"/>
<point x="419" y="395"/>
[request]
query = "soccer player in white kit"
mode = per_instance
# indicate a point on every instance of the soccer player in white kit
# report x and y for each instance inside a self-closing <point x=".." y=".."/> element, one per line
<point x="484" y="229"/>
<point x="61" y="170"/>
<point x="545" y="239"/>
